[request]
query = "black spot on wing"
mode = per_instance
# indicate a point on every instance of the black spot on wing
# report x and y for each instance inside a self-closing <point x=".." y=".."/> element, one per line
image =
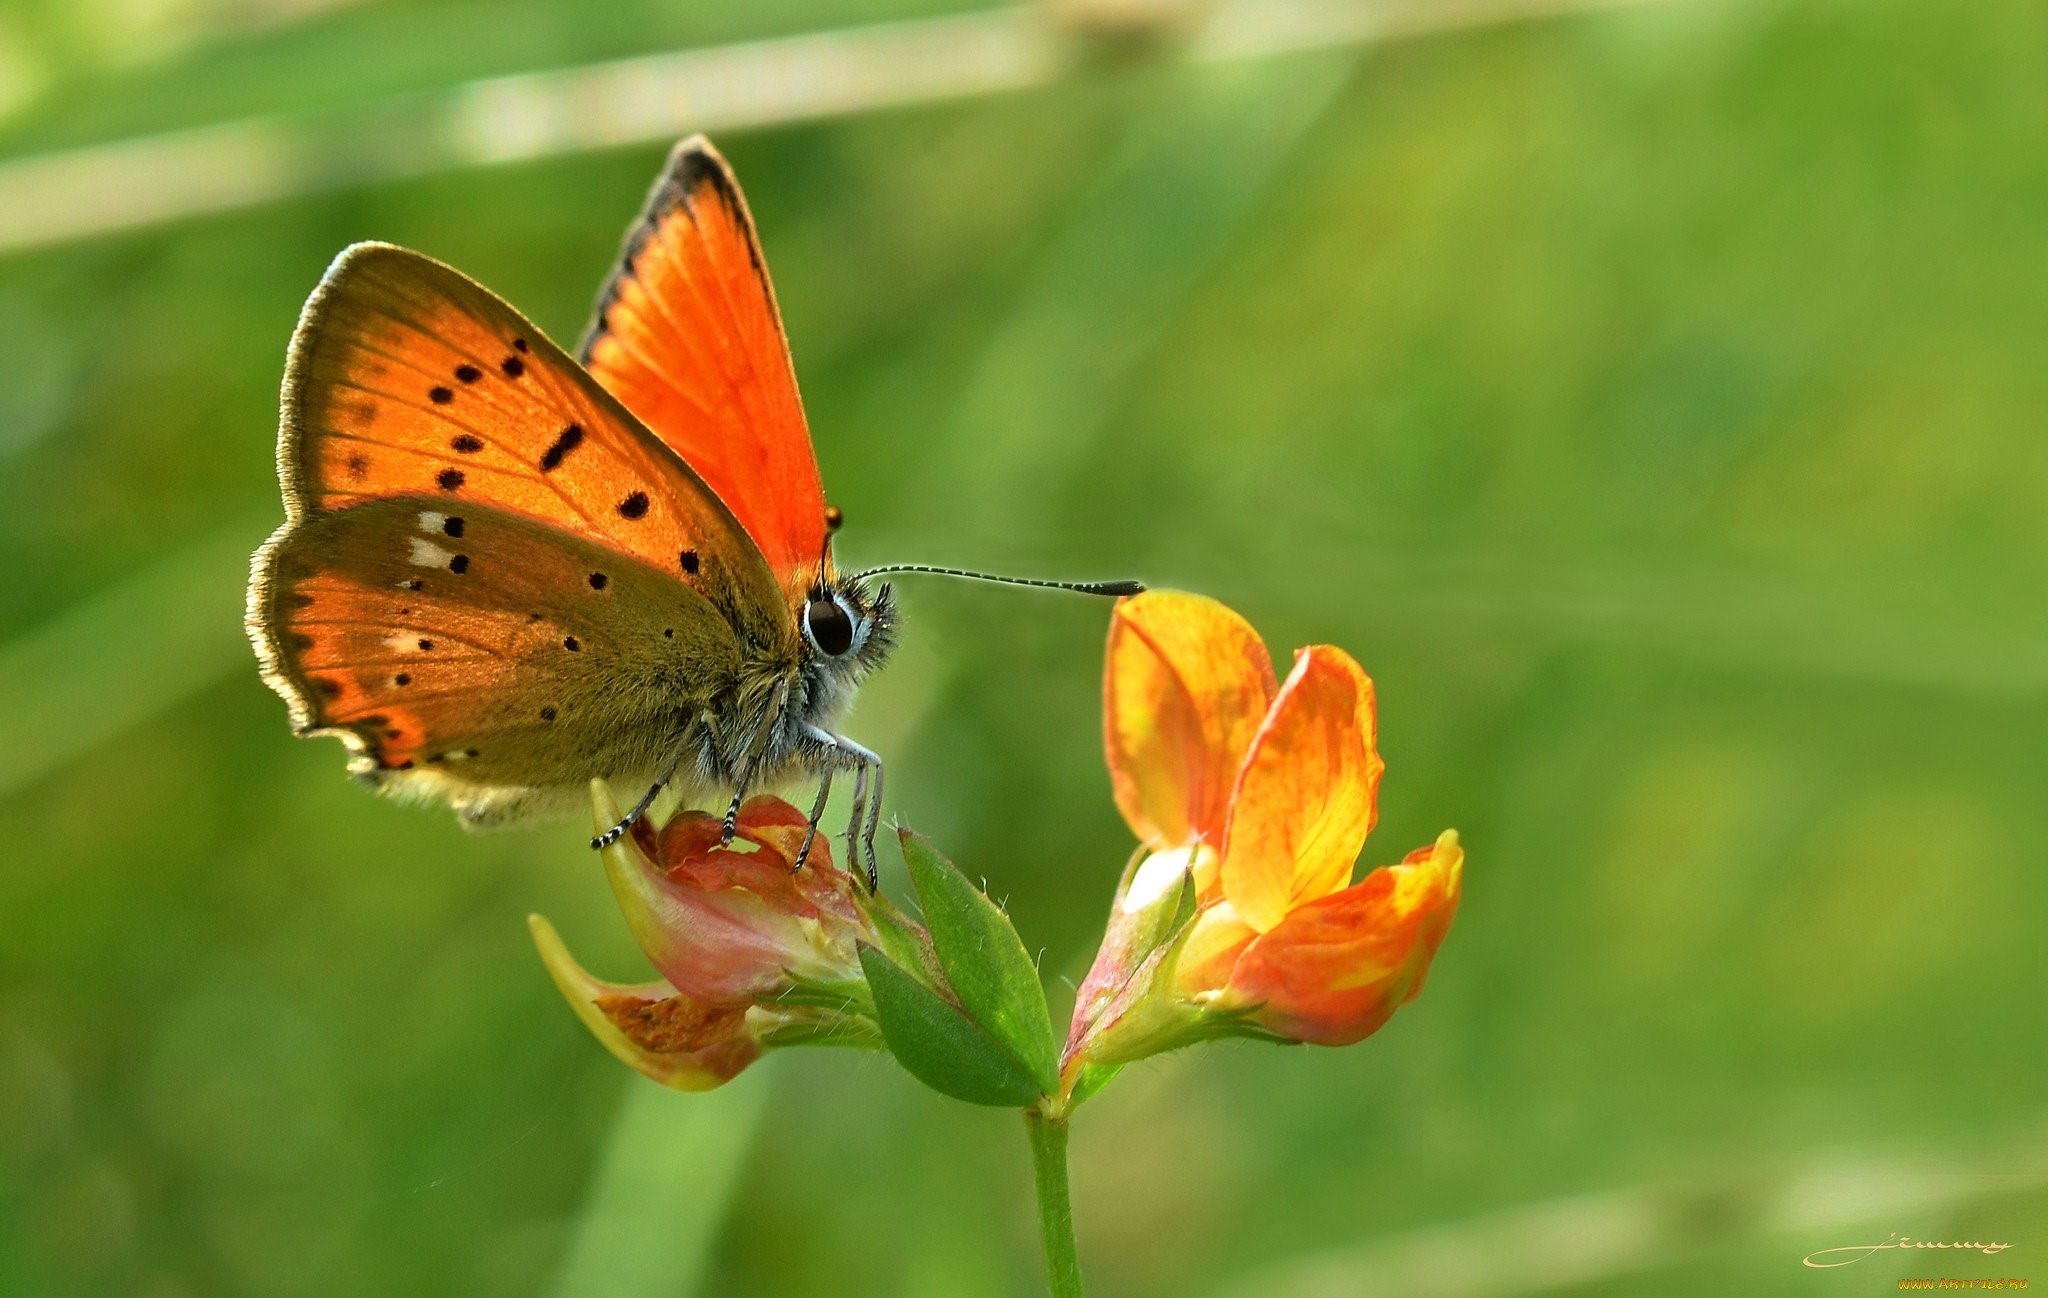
<point x="440" y="396"/>
<point x="568" y="440"/>
<point x="466" y="444"/>
<point x="459" y="564"/>
<point x="452" y="526"/>
<point x="513" y="367"/>
<point x="598" y="581"/>
<point x="634" y="506"/>
<point x="449" y="479"/>
<point x="688" y="561"/>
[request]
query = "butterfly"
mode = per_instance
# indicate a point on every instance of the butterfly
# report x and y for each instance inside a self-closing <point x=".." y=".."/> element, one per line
<point x="506" y="571"/>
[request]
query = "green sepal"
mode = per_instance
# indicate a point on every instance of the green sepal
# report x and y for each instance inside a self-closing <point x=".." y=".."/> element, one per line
<point x="900" y="937"/>
<point x="984" y="960"/>
<point x="1093" y="1078"/>
<point x="940" y="1046"/>
<point x="843" y="997"/>
<point x="812" y="1030"/>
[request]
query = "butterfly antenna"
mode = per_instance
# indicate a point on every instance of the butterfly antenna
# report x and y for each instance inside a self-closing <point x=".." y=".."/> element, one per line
<point x="1110" y="588"/>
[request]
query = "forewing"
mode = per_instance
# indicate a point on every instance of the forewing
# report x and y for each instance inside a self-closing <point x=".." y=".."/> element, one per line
<point x="469" y="653"/>
<point x="407" y="378"/>
<point x="688" y="336"/>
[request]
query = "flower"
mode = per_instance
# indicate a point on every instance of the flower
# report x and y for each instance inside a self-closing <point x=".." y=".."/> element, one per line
<point x="739" y="923"/>
<point x="1252" y="798"/>
<point x="753" y="952"/>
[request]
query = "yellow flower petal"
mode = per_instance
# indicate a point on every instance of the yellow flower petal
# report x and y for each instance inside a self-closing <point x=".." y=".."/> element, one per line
<point x="1187" y="685"/>
<point x="1211" y="952"/>
<point x="1309" y="791"/>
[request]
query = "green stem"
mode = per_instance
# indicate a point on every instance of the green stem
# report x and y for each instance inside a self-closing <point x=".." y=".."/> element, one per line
<point x="1055" y="1214"/>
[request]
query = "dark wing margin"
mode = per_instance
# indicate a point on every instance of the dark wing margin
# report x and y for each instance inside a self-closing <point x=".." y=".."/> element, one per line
<point x="687" y="334"/>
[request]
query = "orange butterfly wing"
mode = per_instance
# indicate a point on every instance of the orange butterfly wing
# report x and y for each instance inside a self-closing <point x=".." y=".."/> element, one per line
<point x="417" y="400"/>
<point x="688" y="336"/>
<point x="407" y="377"/>
<point x="479" y="655"/>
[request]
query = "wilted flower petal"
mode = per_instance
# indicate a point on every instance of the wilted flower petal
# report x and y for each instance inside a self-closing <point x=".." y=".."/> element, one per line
<point x="650" y="1027"/>
<point x="738" y="924"/>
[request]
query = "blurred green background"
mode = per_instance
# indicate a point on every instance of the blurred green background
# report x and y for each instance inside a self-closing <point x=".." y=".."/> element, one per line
<point x="1650" y="398"/>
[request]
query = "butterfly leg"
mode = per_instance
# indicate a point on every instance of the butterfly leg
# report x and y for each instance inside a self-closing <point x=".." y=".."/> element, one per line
<point x="839" y="751"/>
<point x="874" y="815"/>
<point x="732" y="817"/>
<point x="860" y="803"/>
<point x="811" y="827"/>
<point x="867" y="798"/>
<point x="618" y="831"/>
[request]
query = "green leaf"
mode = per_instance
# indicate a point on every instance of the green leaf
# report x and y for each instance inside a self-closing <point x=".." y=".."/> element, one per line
<point x="985" y="961"/>
<point x="940" y="1046"/>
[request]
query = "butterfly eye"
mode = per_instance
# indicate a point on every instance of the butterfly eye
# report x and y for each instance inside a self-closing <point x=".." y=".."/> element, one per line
<point x="830" y="627"/>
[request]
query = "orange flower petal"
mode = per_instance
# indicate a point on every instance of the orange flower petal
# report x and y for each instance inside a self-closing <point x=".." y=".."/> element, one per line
<point x="1187" y="685"/>
<point x="1333" y="971"/>
<point x="1309" y="791"/>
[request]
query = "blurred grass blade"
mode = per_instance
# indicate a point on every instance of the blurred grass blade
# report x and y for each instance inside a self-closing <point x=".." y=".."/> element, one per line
<point x="1582" y="1241"/>
<point x="661" y="1188"/>
<point x="129" y="184"/>
<point x="1116" y="273"/>
<point x="125" y="655"/>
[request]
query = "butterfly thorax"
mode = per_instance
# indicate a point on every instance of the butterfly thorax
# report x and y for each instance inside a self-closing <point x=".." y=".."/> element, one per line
<point x="763" y="729"/>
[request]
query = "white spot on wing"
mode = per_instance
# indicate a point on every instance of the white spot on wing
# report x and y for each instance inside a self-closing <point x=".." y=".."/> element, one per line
<point x="428" y="555"/>
<point x="431" y="521"/>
